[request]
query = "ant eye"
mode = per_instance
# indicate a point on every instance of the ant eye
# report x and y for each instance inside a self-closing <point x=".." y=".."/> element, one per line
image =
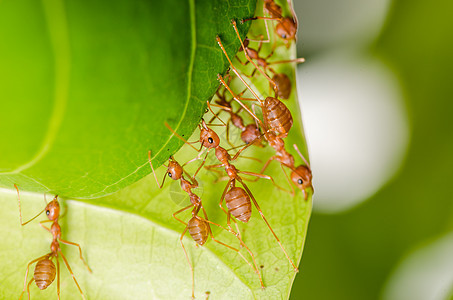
<point x="47" y="212"/>
<point x="299" y="181"/>
<point x="169" y="174"/>
<point x="210" y="140"/>
<point x="283" y="36"/>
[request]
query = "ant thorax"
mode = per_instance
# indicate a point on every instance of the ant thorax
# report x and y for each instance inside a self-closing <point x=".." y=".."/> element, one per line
<point x="286" y="158"/>
<point x="55" y="229"/>
<point x="185" y="185"/>
<point x="222" y="155"/>
<point x="231" y="171"/>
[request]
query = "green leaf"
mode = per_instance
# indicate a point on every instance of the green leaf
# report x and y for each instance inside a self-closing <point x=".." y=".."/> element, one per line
<point x="86" y="87"/>
<point x="131" y="240"/>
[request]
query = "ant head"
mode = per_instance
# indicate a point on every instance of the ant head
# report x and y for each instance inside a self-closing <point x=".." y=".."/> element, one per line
<point x="53" y="209"/>
<point x="174" y="170"/>
<point x="208" y="137"/>
<point x="286" y="29"/>
<point x="301" y="177"/>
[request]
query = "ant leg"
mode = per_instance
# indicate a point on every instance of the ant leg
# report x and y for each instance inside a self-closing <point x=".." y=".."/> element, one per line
<point x="240" y="151"/>
<point x="192" y="160"/>
<point x="267" y="40"/>
<point x="222" y="107"/>
<point x="154" y="172"/>
<point x="58" y="278"/>
<point x="255" y="267"/>
<point x="219" y="41"/>
<point x="80" y="252"/>
<point x="233" y="22"/>
<point x="28" y="289"/>
<point x="45" y="221"/>
<point x="297" y="60"/>
<point x="181" y="138"/>
<point x="180" y="211"/>
<point x="213" y="166"/>
<point x="228" y="133"/>
<point x="221" y="243"/>
<point x="264" y="177"/>
<point x="238" y="99"/>
<point x="220" y="173"/>
<point x="292" y="192"/>
<point x="241" y="62"/>
<point x="209" y="107"/>
<point x="72" y="274"/>
<point x="201" y="165"/>
<point x="301" y="156"/>
<point x="267" y="163"/>
<point x="194" y="183"/>
<point x="221" y="202"/>
<point x="267" y="223"/>
<point x="188" y="261"/>
<point x="20" y="211"/>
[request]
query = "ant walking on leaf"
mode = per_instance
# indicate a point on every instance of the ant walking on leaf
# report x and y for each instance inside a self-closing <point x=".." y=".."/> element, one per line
<point x="45" y="271"/>
<point x="198" y="227"/>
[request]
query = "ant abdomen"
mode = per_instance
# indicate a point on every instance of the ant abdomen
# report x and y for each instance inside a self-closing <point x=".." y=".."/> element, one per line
<point x="273" y="9"/>
<point x="44" y="273"/>
<point x="277" y="116"/>
<point x="284" y="85"/>
<point x="238" y="204"/>
<point x="251" y="134"/>
<point x="199" y="230"/>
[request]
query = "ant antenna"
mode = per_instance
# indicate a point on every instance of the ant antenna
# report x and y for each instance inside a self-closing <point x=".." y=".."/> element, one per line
<point x="20" y="211"/>
<point x="301" y="156"/>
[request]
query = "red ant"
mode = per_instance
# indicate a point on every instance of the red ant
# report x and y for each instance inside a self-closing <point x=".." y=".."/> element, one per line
<point x="277" y="117"/>
<point x="277" y="123"/>
<point x="286" y="27"/>
<point x="44" y="273"/>
<point x="198" y="227"/>
<point x="249" y="133"/>
<point x="301" y="176"/>
<point x="236" y="198"/>
<point x="280" y="82"/>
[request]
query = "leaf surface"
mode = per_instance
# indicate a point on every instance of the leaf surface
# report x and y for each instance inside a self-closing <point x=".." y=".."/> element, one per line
<point x="86" y="87"/>
<point x="131" y="240"/>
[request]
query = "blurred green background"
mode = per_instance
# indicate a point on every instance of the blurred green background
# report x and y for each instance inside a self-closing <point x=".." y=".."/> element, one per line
<point x="354" y="254"/>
